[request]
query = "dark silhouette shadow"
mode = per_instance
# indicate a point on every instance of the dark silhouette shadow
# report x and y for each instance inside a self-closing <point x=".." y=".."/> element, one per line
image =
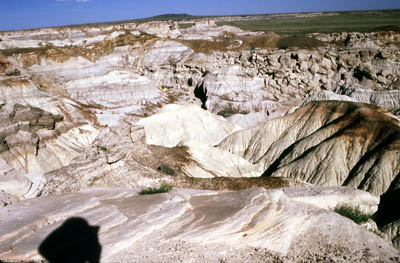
<point x="74" y="241"/>
<point x="201" y="93"/>
<point x="388" y="209"/>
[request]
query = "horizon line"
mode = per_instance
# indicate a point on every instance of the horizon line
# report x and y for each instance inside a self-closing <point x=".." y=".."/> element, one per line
<point x="148" y="19"/>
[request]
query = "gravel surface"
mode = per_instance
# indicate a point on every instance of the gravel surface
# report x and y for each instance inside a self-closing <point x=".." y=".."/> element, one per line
<point x="161" y="247"/>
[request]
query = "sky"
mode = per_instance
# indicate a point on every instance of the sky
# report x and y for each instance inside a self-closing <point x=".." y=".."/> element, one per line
<point x="23" y="14"/>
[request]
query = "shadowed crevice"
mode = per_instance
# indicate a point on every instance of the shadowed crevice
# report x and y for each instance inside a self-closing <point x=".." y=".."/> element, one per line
<point x="388" y="209"/>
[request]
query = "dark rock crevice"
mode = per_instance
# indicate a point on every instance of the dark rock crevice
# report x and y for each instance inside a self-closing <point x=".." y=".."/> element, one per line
<point x="201" y="93"/>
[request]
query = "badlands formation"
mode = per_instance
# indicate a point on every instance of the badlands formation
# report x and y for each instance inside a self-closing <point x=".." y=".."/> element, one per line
<point x="258" y="143"/>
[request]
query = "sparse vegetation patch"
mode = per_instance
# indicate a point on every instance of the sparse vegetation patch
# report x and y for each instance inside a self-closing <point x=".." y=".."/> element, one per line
<point x="162" y="189"/>
<point x="353" y="213"/>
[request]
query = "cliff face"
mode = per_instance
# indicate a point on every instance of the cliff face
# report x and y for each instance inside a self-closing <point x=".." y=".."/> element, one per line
<point x="207" y="108"/>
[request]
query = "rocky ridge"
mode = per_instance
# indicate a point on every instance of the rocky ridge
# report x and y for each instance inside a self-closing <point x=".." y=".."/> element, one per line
<point x="183" y="219"/>
<point x="325" y="143"/>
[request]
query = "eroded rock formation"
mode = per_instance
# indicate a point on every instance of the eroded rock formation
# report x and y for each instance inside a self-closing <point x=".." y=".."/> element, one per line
<point x="326" y="143"/>
<point x="122" y="107"/>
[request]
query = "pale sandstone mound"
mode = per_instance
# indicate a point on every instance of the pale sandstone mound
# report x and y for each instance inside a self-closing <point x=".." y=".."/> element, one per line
<point x="189" y="125"/>
<point x="180" y="124"/>
<point x="250" y="225"/>
<point x="326" y="143"/>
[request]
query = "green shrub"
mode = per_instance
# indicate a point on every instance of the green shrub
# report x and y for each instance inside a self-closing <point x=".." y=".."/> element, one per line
<point x="353" y="213"/>
<point x="229" y="112"/>
<point x="150" y="191"/>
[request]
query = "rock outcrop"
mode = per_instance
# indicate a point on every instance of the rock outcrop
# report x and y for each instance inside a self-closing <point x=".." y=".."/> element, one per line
<point x="330" y="143"/>
<point x="35" y="141"/>
<point x="168" y="147"/>
<point x="263" y="226"/>
<point x="133" y="71"/>
<point x="326" y="143"/>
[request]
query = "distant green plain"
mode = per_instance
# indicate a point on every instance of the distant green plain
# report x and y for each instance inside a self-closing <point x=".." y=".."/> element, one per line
<point x="363" y="21"/>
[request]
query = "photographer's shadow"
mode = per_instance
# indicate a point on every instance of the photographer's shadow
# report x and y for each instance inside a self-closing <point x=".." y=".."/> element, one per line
<point x="74" y="241"/>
